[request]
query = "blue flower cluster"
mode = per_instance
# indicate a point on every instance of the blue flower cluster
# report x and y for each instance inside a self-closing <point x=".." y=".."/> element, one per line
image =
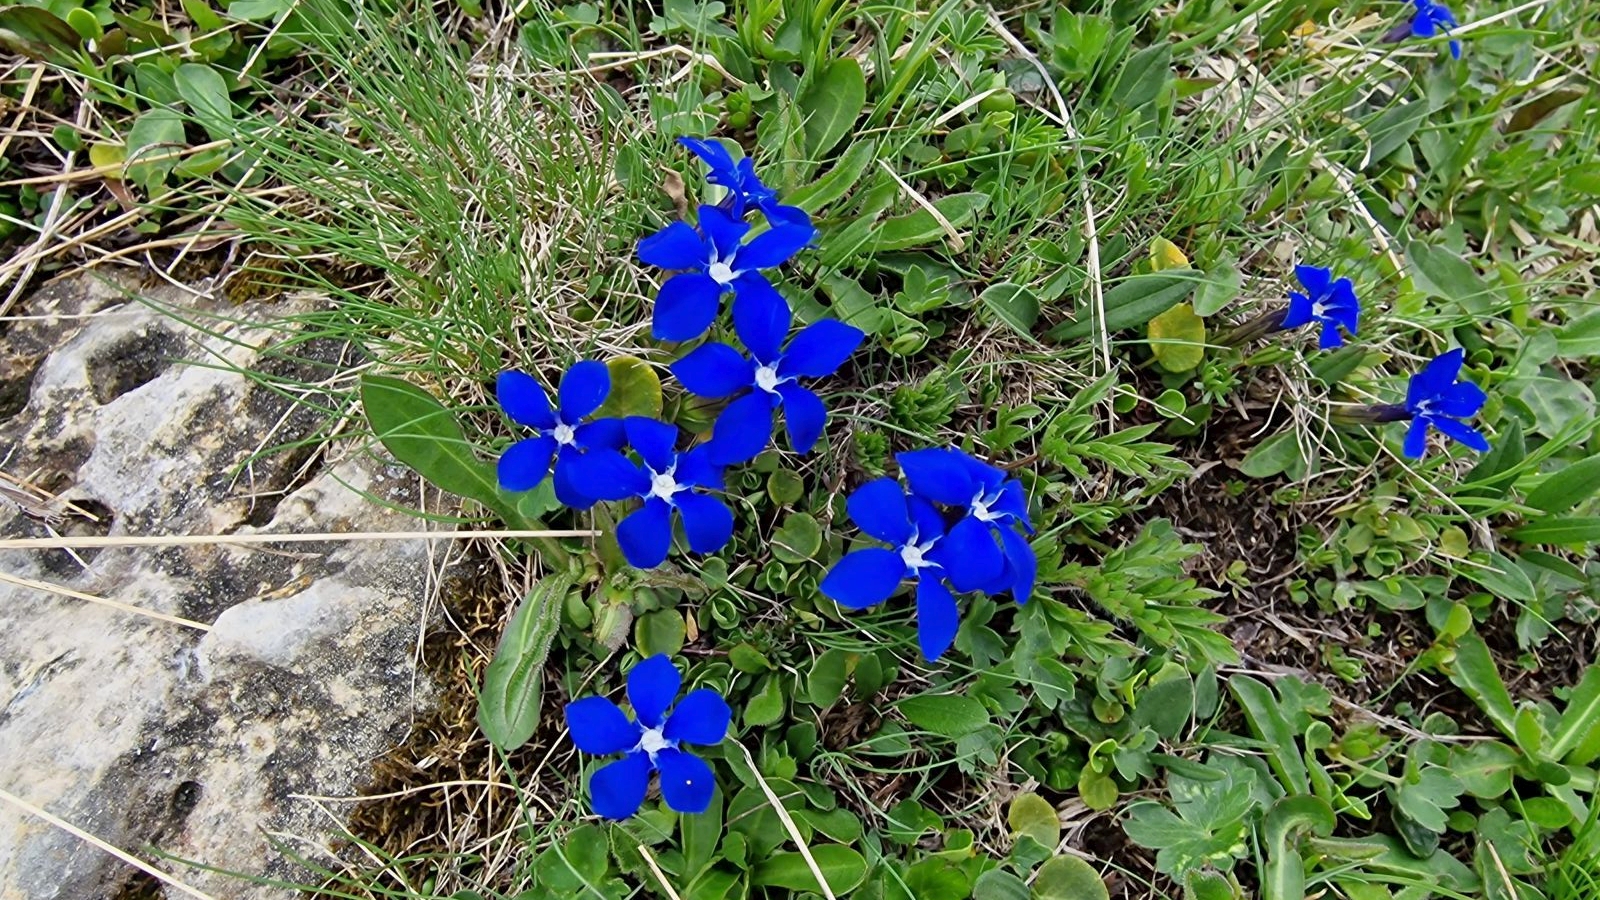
<point x="981" y="550"/>
<point x="1432" y="19"/>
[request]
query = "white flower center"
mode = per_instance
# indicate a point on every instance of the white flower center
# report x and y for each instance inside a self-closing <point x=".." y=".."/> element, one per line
<point x="653" y="742"/>
<point x="662" y="485"/>
<point x="980" y="507"/>
<point x="721" y="272"/>
<point x="563" y="434"/>
<point x="767" y="379"/>
<point x="1318" y="310"/>
<point x="911" y="555"/>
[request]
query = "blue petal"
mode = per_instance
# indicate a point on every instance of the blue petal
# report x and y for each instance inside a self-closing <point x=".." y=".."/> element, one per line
<point x="697" y="467"/>
<point x="1314" y="279"/>
<point x="1416" y="439"/>
<point x="524" y="400"/>
<point x="778" y="214"/>
<point x="774" y="246"/>
<point x="743" y="430"/>
<point x="925" y="520"/>
<point x="864" y="577"/>
<point x="608" y="475"/>
<point x="724" y="231"/>
<point x="1298" y="313"/>
<point x="803" y="414"/>
<point x="760" y="317"/>
<point x="646" y="534"/>
<point x="1023" y="560"/>
<point x="652" y="686"/>
<point x="677" y="246"/>
<point x="1461" y="400"/>
<point x="526" y="463"/>
<point x="707" y="521"/>
<point x="1422" y="26"/>
<point x="970" y="555"/>
<point x="686" y="781"/>
<point x="1455" y="49"/>
<point x="714" y="369"/>
<point x="1461" y="432"/>
<point x="1330" y="338"/>
<point x="1435" y="378"/>
<point x="702" y="717"/>
<point x="686" y="307"/>
<point x="879" y="508"/>
<point x="941" y="474"/>
<point x="653" y="440"/>
<point x="715" y="156"/>
<point x="603" y="434"/>
<point x="1014" y="503"/>
<point x="583" y="388"/>
<point x="617" y="789"/>
<point x="937" y="618"/>
<point x="820" y="349"/>
<point x="568" y="476"/>
<point x="600" y="728"/>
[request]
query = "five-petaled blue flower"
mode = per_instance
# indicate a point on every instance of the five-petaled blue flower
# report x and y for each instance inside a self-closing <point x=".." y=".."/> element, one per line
<point x="761" y="318"/>
<point x="713" y="261"/>
<point x="1332" y="303"/>
<point x="651" y="742"/>
<point x="745" y="188"/>
<point x="667" y="480"/>
<point x="1434" y="18"/>
<point x="560" y="434"/>
<point x="1435" y="398"/>
<point x="994" y="558"/>
<point x="918" y="550"/>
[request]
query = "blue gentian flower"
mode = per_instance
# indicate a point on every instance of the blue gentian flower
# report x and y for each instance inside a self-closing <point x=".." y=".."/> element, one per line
<point x="667" y="480"/>
<point x="745" y="188"/>
<point x="918" y="550"/>
<point x="651" y="741"/>
<point x="1436" y="399"/>
<point x="761" y="318"/>
<point x="1332" y="303"/>
<point x="713" y="261"/>
<point x="994" y="557"/>
<point x="560" y="434"/>
<point x="1434" y="18"/>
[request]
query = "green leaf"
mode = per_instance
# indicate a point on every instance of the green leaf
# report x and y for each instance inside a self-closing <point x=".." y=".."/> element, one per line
<point x="1133" y="302"/>
<point x="950" y="715"/>
<point x="1474" y="672"/>
<point x="1555" y="403"/>
<point x="1425" y="800"/>
<point x="419" y="432"/>
<point x="508" y="702"/>
<point x="85" y="24"/>
<point x="1167" y="702"/>
<point x="258" y="10"/>
<point x="1032" y="815"/>
<point x="701" y="834"/>
<point x="1221" y="286"/>
<point x="998" y="884"/>
<point x="1581" y="718"/>
<point x="1178" y="339"/>
<point x="840" y="178"/>
<point x="156" y="133"/>
<point x="1142" y="77"/>
<point x="766" y="705"/>
<point x="203" y="89"/>
<point x="1485" y="769"/>
<point x="843" y="867"/>
<point x="831" y="104"/>
<point x="1268" y="723"/>
<point x="1285" y="874"/>
<point x="1491" y="476"/>
<point x="1388" y="130"/>
<point x="1279" y="453"/>
<point x="1206" y="884"/>
<point x="1502" y="577"/>
<point x="1580" y="337"/>
<point x="918" y="228"/>
<point x="1567" y="488"/>
<point x="660" y="631"/>
<point x="1441" y="273"/>
<point x="1014" y="304"/>
<point x="798" y="539"/>
<point x="1068" y="878"/>
<point x="1570" y="530"/>
<point x="39" y="34"/>
<point x="828" y="677"/>
<point x="635" y="390"/>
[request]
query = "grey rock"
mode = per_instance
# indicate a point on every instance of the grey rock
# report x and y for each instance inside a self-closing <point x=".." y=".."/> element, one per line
<point x="152" y="735"/>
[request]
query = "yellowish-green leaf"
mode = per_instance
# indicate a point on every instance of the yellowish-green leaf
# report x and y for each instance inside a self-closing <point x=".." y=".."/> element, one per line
<point x="1068" y="878"/>
<point x="1032" y="815"/>
<point x="1178" y="338"/>
<point x="107" y="155"/>
<point x="1164" y="255"/>
<point x="635" y="389"/>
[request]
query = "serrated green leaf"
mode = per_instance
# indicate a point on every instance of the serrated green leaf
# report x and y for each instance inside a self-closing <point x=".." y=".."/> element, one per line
<point x="1426" y="799"/>
<point x="508" y="702"/>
